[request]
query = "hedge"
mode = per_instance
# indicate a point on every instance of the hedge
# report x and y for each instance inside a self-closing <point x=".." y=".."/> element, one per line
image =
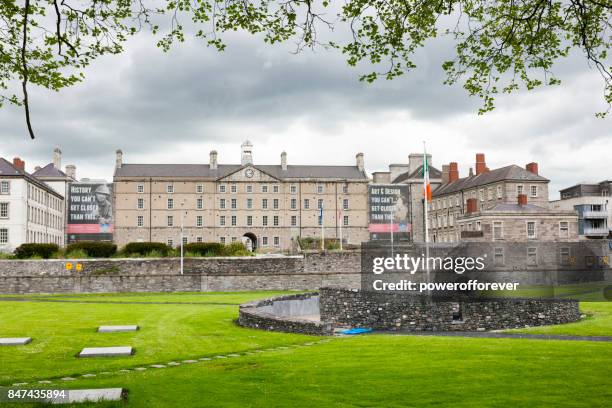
<point x="94" y="249"/>
<point x="143" y="248"/>
<point x="25" y="251"/>
<point x="205" y="248"/>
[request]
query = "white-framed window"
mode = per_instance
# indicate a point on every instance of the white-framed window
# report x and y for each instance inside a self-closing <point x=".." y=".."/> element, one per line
<point x="199" y="239"/>
<point x="249" y="188"/>
<point x="234" y="221"/>
<point x="170" y="221"/>
<point x="199" y="188"/>
<point x="275" y="221"/>
<point x="457" y="200"/>
<point x="249" y="203"/>
<point x="184" y="240"/>
<point x="249" y="220"/>
<point x="222" y="240"/>
<point x="140" y="188"/>
<point x="264" y="241"/>
<point x="199" y="203"/>
<point x="264" y="189"/>
<point x="498" y="230"/>
<point x="345" y="221"/>
<point x="345" y="204"/>
<point x="293" y="189"/>
<point x="222" y="188"/>
<point x="199" y="220"/>
<point x="222" y="203"/>
<point x="532" y="256"/>
<point x="498" y="256"/>
<point x="478" y="226"/>
<point x="275" y="188"/>
<point x="140" y="221"/>
<point x="222" y="220"/>
<point x="306" y="204"/>
<point x="234" y="188"/>
<point x="534" y="191"/>
<point x="531" y="229"/>
<point x="320" y="189"/>
<point x="345" y="189"/>
<point x="4" y="210"/>
<point x="519" y="190"/>
<point x="564" y="254"/>
<point x="275" y="203"/>
<point x="170" y="188"/>
<point x="264" y="203"/>
<point x="293" y="221"/>
<point x="234" y="239"/>
<point x="234" y="203"/>
<point x="293" y="203"/>
<point x="481" y="195"/>
<point x="264" y="220"/>
<point x="563" y="229"/>
<point x="499" y="192"/>
<point x="276" y="241"/>
<point x="4" y="236"/>
<point x="5" y="187"/>
<point x="319" y="220"/>
<point x="170" y="203"/>
<point x="319" y="203"/>
<point x="490" y="192"/>
<point x="140" y="203"/>
<point x="170" y="242"/>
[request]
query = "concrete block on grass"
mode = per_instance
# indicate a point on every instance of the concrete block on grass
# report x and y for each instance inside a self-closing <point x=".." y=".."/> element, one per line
<point x="91" y="395"/>
<point x="106" y="351"/>
<point x="118" y="329"/>
<point x="14" y="341"/>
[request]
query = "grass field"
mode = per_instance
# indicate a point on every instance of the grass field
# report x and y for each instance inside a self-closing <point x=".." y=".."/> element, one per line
<point x="373" y="370"/>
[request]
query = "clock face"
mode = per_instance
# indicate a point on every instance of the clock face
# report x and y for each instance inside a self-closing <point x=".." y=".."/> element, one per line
<point x="249" y="173"/>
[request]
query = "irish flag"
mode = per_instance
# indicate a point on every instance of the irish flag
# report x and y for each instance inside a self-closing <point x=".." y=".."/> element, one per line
<point x="426" y="184"/>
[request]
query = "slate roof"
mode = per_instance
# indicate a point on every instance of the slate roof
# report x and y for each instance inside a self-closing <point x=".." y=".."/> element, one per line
<point x="417" y="174"/>
<point x="223" y="170"/>
<point x="49" y="171"/>
<point x="8" y="170"/>
<point x="504" y="207"/>
<point x="512" y="173"/>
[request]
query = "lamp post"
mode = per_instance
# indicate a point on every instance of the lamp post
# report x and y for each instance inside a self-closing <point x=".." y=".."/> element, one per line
<point x="182" y="235"/>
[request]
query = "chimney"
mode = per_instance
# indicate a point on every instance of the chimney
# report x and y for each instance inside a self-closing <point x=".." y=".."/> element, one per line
<point x="247" y="153"/>
<point x="284" y="161"/>
<point x="360" y="162"/>
<point x="18" y="163"/>
<point x="445" y="173"/>
<point x="453" y="172"/>
<point x="36" y="168"/>
<point x="213" y="160"/>
<point x="471" y="172"/>
<point x="532" y="167"/>
<point x="522" y="199"/>
<point x="71" y="171"/>
<point x="118" y="159"/>
<point x="57" y="158"/>
<point x="415" y="160"/>
<point x="481" y="166"/>
<point x="472" y="205"/>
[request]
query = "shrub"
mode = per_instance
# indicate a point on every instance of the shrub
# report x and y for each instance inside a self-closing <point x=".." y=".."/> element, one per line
<point x="76" y="254"/>
<point x="94" y="249"/>
<point x="39" y="251"/>
<point x="205" y="248"/>
<point x="144" y="248"/>
<point x="236" y="249"/>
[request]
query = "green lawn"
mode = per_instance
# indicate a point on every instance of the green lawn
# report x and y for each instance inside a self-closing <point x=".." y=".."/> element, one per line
<point x="361" y="371"/>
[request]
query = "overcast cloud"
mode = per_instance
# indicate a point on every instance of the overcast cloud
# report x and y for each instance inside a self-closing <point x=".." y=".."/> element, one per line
<point x="176" y="107"/>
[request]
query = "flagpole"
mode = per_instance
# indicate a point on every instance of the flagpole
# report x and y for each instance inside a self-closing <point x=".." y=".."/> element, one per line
<point x="322" y="230"/>
<point x="425" y="201"/>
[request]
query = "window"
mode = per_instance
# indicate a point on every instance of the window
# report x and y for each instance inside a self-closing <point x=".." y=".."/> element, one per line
<point x="294" y="221"/>
<point x="519" y="190"/>
<point x="306" y="204"/>
<point x="293" y="189"/>
<point x="320" y="220"/>
<point x="170" y="242"/>
<point x="320" y="203"/>
<point x="234" y="203"/>
<point x="478" y="226"/>
<point x="249" y="220"/>
<point x="264" y="203"/>
<point x="564" y="229"/>
<point x="140" y="188"/>
<point x="275" y="203"/>
<point x="249" y="203"/>
<point x="4" y="210"/>
<point x="199" y="221"/>
<point x="233" y="188"/>
<point x="249" y="188"/>
<point x="5" y="187"/>
<point x="184" y="240"/>
<point x="170" y="188"/>
<point x="275" y="221"/>
<point x="222" y="220"/>
<point x="276" y="241"/>
<point x="234" y="239"/>
<point x="499" y="191"/>
<point x="140" y="221"/>
<point x="199" y="188"/>
<point x="345" y="222"/>
<point x="222" y="189"/>
<point x="140" y="203"/>
<point x="345" y="189"/>
<point x="275" y="189"/>
<point x="171" y="221"/>
<point x="531" y="229"/>
<point x="320" y="189"/>
<point x="264" y="241"/>
<point x="199" y="239"/>
<point x="222" y="203"/>
<point x="532" y="256"/>
<point x="490" y="191"/>
<point x="345" y="204"/>
<point x="565" y="256"/>
<point x="222" y="240"/>
<point x="234" y="221"/>
<point x="293" y="203"/>
<point x="498" y="230"/>
<point x="199" y="203"/>
<point x="170" y="203"/>
<point x="498" y="256"/>
<point x="264" y="189"/>
<point x="457" y="201"/>
<point x="481" y="195"/>
<point x="534" y="191"/>
<point x="264" y="220"/>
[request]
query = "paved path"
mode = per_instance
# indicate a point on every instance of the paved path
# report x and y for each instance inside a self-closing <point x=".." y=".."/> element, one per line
<point x="496" y="335"/>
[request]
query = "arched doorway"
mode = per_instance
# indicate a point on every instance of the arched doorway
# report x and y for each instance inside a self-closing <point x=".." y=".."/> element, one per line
<point x="250" y="241"/>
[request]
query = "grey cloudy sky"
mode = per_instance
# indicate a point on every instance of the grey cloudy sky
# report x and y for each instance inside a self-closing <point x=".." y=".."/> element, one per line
<point x="176" y="107"/>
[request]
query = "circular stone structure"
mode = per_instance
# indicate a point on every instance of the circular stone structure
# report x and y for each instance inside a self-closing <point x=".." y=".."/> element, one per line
<point x="322" y="312"/>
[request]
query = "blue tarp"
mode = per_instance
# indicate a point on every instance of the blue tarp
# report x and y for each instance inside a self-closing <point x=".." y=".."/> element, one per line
<point x="356" y="330"/>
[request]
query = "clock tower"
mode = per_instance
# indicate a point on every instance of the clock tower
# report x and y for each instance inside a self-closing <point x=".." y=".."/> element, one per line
<point x="247" y="153"/>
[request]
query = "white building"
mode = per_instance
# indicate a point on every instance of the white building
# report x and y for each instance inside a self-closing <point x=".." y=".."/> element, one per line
<point x="30" y="210"/>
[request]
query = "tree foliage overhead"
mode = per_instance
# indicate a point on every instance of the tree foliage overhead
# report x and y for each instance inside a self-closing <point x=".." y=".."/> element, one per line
<point x="501" y="45"/>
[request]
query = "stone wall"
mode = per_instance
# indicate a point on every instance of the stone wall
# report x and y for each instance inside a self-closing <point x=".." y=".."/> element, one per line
<point x="391" y="311"/>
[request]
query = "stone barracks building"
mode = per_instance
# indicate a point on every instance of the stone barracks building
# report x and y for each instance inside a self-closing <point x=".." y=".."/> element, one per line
<point x="264" y="206"/>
